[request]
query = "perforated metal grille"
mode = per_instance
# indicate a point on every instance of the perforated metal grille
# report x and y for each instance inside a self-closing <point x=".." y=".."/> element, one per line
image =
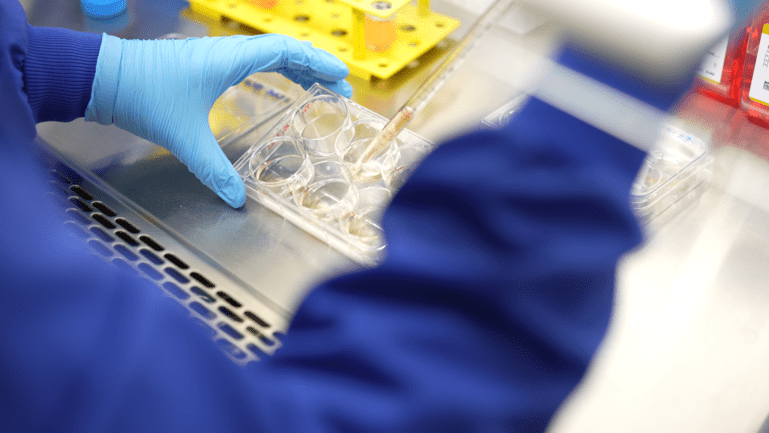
<point x="241" y="332"/>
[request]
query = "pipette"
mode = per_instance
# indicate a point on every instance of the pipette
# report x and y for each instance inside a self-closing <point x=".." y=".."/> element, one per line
<point x="436" y="80"/>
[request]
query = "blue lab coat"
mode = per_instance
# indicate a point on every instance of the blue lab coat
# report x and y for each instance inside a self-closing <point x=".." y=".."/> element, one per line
<point x="495" y="294"/>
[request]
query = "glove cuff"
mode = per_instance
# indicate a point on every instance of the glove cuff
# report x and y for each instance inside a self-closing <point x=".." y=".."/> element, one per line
<point x="105" y="83"/>
<point x="58" y="72"/>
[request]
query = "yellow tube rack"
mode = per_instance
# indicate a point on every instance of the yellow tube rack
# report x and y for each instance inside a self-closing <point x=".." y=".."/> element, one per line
<point x="338" y="26"/>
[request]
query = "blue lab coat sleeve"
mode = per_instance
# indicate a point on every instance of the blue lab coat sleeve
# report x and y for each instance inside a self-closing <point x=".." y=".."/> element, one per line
<point x="55" y="66"/>
<point x="496" y="292"/>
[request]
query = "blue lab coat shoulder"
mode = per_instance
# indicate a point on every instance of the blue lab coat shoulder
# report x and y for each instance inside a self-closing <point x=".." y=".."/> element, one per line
<point x="494" y="296"/>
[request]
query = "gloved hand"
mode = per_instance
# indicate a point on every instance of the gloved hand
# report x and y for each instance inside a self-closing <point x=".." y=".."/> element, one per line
<point x="163" y="91"/>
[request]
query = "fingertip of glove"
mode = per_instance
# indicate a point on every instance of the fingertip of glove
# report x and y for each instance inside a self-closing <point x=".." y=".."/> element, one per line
<point x="341" y="87"/>
<point x="233" y="192"/>
<point x="338" y="67"/>
<point x="345" y="89"/>
<point x="330" y="65"/>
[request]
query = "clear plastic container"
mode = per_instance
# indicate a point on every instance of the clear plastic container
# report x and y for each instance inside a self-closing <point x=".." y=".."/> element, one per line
<point x="499" y="117"/>
<point x="330" y="194"/>
<point x="353" y="143"/>
<point x="319" y="121"/>
<point x="281" y="165"/>
<point x="675" y="171"/>
<point x="258" y="99"/>
<point x="316" y="191"/>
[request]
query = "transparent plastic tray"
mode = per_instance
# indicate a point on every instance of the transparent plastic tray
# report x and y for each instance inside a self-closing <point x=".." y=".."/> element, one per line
<point x="502" y="115"/>
<point x="258" y="99"/>
<point x="675" y="171"/>
<point x="304" y="168"/>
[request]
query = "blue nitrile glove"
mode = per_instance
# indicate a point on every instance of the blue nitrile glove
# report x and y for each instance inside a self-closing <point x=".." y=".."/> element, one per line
<point x="163" y="91"/>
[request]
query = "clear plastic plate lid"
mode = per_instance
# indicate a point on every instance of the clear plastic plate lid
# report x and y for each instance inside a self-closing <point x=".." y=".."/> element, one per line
<point x="676" y="165"/>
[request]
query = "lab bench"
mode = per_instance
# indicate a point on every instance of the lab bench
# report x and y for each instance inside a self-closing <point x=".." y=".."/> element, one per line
<point x="689" y="341"/>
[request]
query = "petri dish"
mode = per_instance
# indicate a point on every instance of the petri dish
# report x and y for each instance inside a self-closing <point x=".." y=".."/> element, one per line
<point x="352" y="144"/>
<point x="281" y="166"/>
<point x="330" y="194"/>
<point x="319" y="121"/>
<point x="365" y="222"/>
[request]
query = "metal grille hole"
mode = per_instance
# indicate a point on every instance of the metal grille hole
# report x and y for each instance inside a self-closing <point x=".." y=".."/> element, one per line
<point x="81" y="192"/>
<point x="81" y="204"/>
<point x="203" y="311"/>
<point x="227" y="312"/>
<point x="177" y="276"/>
<point x="177" y="261"/>
<point x="203" y="295"/>
<point x="263" y="338"/>
<point x="126" y="252"/>
<point x="126" y="225"/>
<point x="229" y="330"/>
<point x="150" y="271"/>
<point x="174" y="290"/>
<point x="151" y="243"/>
<point x="229" y="299"/>
<point x="103" y="208"/>
<point x="151" y="256"/>
<point x="103" y="221"/>
<point x="259" y="321"/>
<point x="126" y="238"/>
<point x="202" y="280"/>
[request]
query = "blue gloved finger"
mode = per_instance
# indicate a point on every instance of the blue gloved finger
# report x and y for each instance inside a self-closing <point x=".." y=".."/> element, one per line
<point x="278" y="53"/>
<point x="296" y="60"/>
<point x="316" y="63"/>
<point x="205" y="159"/>
<point x="341" y="87"/>
<point x="298" y="79"/>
